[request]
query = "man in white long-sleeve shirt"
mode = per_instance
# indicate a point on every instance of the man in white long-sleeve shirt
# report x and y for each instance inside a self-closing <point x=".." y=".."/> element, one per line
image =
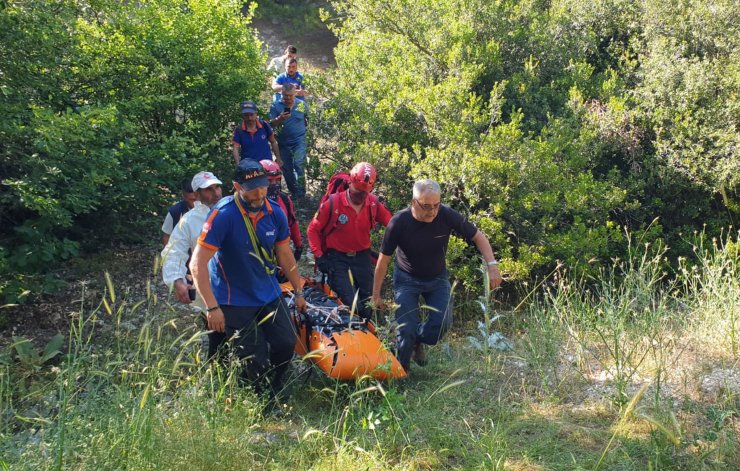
<point x="184" y="236"/>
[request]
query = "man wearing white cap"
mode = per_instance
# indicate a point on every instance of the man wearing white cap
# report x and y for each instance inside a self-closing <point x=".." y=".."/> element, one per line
<point x="176" y="253"/>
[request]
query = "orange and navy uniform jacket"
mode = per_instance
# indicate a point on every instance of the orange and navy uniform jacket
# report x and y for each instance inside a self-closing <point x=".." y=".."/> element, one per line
<point x="351" y="229"/>
<point x="254" y="145"/>
<point x="286" y="204"/>
<point x="238" y="278"/>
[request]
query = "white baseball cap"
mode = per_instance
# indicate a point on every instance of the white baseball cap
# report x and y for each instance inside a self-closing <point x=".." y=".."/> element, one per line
<point x="204" y="180"/>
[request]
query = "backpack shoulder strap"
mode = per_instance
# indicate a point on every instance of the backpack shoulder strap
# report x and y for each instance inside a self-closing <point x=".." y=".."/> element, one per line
<point x="289" y="214"/>
<point x="373" y="204"/>
<point x="324" y="231"/>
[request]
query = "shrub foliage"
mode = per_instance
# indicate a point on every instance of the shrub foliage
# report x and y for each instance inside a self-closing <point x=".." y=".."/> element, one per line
<point x="106" y="105"/>
<point x="553" y="125"/>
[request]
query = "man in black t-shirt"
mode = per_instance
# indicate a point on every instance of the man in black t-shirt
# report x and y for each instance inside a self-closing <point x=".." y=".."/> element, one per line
<point x="421" y="233"/>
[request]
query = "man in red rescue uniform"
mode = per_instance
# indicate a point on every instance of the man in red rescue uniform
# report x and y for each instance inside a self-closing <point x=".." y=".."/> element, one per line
<point x="339" y="237"/>
<point x="275" y="193"/>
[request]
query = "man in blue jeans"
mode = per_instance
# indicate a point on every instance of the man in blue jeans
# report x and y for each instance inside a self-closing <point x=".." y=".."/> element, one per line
<point x="421" y="234"/>
<point x="289" y="118"/>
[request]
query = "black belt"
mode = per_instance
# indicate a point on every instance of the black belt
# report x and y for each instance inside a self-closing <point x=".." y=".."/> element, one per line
<point x="350" y="254"/>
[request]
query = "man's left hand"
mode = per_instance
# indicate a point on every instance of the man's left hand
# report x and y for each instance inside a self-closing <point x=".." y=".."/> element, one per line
<point x="494" y="276"/>
<point x="300" y="304"/>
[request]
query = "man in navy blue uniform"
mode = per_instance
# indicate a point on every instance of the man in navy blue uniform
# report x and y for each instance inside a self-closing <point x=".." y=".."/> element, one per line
<point x="176" y="211"/>
<point x="244" y="239"/>
<point x="254" y="138"/>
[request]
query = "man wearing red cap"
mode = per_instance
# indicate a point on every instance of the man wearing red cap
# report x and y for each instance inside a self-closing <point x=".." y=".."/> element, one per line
<point x="339" y="237"/>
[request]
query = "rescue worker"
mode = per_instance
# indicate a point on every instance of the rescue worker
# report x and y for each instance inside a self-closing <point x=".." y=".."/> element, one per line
<point x="176" y="211"/>
<point x="253" y="138"/>
<point x="244" y="239"/>
<point x="275" y="193"/>
<point x="339" y="237"/>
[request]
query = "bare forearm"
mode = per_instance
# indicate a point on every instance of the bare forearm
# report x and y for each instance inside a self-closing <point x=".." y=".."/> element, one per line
<point x="201" y="278"/>
<point x="235" y="153"/>
<point x="381" y="268"/>
<point x="288" y="265"/>
<point x="484" y="247"/>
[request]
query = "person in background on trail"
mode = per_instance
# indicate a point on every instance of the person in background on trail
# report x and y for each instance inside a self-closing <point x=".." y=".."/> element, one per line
<point x="254" y="138"/>
<point x="244" y="239"/>
<point x="339" y="237"/>
<point x="290" y="117"/>
<point x="421" y="233"/>
<point x="275" y="193"/>
<point x="176" y="211"/>
<point x="292" y="76"/>
<point x="176" y="254"/>
<point x="277" y="64"/>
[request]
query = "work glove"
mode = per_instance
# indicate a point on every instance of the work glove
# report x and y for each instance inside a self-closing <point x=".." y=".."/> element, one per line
<point x="323" y="264"/>
<point x="297" y="253"/>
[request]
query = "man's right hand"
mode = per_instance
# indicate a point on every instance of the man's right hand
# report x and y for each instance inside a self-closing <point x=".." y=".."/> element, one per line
<point x="377" y="302"/>
<point x="323" y="264"/>
<point x="181" y="291"/>
<point x="216" y="320"/>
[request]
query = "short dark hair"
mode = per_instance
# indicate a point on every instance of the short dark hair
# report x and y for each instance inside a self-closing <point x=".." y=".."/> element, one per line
<point x="186" y="185"/>
<point x="291" y="50"/>
<point x="290" y="60"/>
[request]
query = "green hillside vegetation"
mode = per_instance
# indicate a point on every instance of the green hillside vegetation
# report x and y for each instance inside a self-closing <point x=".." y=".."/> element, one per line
<point x="595" y="143"/>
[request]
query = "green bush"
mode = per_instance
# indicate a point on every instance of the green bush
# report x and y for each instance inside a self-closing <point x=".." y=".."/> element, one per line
<point x="551" y="125"/>
<point x="107" y="106"/>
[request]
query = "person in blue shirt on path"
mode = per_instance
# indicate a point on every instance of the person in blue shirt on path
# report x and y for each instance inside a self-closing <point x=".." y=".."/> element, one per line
<point x="244" y="239"/>
<point x="254" y="138"/>
<point x="289" y="117"/>
<point x="290" y="76"/>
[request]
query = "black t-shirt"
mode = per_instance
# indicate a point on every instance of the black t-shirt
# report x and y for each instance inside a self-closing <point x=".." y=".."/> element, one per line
<point x="422" y="246"/>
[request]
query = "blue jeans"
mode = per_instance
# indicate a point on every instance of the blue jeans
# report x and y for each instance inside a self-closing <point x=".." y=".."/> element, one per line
<point x="359" y="283"/>
<point x="437" y="295"/>
<point x="294" y="166"/>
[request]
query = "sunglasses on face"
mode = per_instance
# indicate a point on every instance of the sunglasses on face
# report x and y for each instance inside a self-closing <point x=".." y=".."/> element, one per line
<point x="427" y="207"/>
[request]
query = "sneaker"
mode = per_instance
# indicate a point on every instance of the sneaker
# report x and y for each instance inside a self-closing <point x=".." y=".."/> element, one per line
<point x="420" y="354"/>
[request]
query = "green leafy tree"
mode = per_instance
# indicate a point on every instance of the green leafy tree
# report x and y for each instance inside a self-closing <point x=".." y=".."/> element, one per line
<point x="106" y="106"/>
<point x="538" y="118"/>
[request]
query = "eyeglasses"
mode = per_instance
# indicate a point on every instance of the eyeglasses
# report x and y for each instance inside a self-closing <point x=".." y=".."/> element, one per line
<point x="427" y="207"/>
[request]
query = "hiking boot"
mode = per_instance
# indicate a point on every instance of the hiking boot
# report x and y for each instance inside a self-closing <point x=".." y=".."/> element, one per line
<point x="420" y="354"/>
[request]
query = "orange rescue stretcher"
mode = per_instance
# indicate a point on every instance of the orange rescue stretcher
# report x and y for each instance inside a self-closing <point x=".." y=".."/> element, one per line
<point x="342" y="345"/>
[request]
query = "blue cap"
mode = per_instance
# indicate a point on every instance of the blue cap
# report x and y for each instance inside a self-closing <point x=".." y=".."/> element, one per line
<point x="248" y="107"/>
<point x="250" y="175"/>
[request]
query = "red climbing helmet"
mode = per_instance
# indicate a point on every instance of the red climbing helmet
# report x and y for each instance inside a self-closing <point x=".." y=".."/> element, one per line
<point x="363" y="176"/>
<point x="272" y="169"/>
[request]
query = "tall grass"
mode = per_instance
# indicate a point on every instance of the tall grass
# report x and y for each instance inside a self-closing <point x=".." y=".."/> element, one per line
<point x="711" y="293"/>
<point x="143" y="398"/>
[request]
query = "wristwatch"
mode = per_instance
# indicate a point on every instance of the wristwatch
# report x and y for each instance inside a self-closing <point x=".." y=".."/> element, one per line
<point x="298" y="294"/>
<point x="492" y="263"/>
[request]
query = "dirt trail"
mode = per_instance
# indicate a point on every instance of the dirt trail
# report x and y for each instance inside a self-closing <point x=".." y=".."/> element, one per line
<point x="315" y="45"/>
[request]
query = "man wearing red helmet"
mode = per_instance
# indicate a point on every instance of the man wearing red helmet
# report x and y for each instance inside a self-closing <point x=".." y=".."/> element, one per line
<point x="339" y="237"/>
<point x="275" y="193"/>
